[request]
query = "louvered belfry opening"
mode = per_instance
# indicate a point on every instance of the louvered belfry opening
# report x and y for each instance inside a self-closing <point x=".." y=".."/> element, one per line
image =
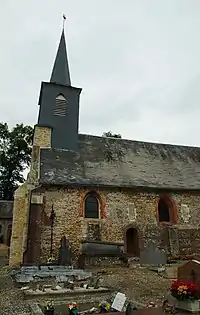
<point x="60" y="106"/>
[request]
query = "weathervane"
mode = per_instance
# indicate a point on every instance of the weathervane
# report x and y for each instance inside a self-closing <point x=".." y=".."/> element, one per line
<point x="64" y="19"/>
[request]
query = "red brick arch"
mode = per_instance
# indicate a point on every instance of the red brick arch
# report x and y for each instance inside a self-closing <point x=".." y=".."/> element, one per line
<point x="172" y="208"/>
<point x="100" y="198"/>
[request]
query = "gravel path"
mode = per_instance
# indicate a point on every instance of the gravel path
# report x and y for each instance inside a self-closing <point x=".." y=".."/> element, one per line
<point x="11" y="298"/>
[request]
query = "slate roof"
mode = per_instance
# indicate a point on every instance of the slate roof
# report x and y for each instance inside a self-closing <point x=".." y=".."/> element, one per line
<point x="122" y="163"/>
<point x="6" y="209"/>
<point x="60" y="73"/>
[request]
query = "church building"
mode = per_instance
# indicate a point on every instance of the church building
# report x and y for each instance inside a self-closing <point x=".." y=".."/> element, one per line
<point x="100" y="188"/>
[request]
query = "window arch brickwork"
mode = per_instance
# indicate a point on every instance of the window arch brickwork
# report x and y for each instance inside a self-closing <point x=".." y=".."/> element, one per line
<point x="91" y="206"/>
<point x="166" y="210"/>
<point x="101" y="200"/>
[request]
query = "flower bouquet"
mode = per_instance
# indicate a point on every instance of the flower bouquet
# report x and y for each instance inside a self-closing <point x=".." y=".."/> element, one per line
<point x="49" y="308"/>
<point x="104" y="307"/>
<point x="51" y="260"/>
<point x="185" y="291"/>
<point x="73" y="308"/>
<point x="187" y="295"/>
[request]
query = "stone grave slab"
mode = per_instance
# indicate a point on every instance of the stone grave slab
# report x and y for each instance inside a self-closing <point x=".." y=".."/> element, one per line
<point x="62" y="278"/>
<point x="152" y="255"/>
<point x="27" y="274"/>
<point x="23" y="278"/>
<point x="29" y="270"/>
<point x="60" y="268"/>
<point x="190" y="271"/>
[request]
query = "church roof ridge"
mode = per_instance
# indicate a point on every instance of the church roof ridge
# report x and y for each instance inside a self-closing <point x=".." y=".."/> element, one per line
<point x="90" y="136"/>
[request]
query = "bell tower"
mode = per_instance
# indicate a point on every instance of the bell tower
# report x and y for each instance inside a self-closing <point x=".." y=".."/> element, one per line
<point x="59" y="103"/>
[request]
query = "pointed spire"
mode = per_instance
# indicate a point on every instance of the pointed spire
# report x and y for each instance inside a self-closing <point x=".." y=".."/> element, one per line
<point x="60" y="73"/>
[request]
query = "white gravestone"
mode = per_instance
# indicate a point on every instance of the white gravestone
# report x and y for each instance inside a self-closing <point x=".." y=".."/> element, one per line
<point x="119" y="301"/>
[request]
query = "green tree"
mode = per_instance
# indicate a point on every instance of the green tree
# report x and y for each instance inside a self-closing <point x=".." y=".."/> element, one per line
<point x="15" y="157"/>
<point x="110" y="134"/>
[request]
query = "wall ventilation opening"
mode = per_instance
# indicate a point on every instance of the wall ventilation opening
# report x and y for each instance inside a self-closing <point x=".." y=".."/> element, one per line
<point x="61" y="106"/>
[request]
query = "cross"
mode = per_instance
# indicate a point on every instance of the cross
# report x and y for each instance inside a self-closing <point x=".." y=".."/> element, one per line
<point x="64" y="19"/>
<point x="193" y="275"/>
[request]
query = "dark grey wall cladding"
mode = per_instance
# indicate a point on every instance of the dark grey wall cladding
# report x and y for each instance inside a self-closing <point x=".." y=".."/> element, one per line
<point x="122" y="163"/>
<point x="61" y="125"/>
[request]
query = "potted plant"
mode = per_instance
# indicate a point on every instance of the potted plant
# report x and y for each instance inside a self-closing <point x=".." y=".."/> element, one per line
<point x="104" y="307"/>
<point x="187" y="295"/>
<point x="51" y="260"/>
<point x="73" y="308"/>
<point x="49" y="308"/>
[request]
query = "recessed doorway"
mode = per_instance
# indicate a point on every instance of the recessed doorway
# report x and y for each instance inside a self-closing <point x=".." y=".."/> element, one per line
<point x="132" y="242"/>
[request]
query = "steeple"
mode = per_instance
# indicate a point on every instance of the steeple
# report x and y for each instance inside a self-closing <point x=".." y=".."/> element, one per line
<point x="60" y="73"/>
<point x="59" y="103"/>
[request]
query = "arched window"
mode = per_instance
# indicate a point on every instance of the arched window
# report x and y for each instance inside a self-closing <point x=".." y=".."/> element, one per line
<point x="60" y="106"/>
<point x="166" y="210"/>
<point x="163" y="211"/>
<point x="91" y="206"/>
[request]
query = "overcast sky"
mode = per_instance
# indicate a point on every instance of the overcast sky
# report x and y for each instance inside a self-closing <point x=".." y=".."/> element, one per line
<point x="138" y="62"/>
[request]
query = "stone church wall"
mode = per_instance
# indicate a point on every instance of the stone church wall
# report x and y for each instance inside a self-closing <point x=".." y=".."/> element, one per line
<point x="118" y="210"/>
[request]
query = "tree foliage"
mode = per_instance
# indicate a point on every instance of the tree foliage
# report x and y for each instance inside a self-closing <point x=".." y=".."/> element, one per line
<point x="110" y="134"/>
<point x="15" y="157"/>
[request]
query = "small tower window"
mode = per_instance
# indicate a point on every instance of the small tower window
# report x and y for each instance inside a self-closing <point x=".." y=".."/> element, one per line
<point x="91" y="206"/>
<point x="60" y="106"/>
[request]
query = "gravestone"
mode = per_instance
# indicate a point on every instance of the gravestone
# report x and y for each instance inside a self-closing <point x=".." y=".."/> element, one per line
<point x="119" y="301"/>
<point x="190" y="271"/>
<point x="64" y="257"/>
<point x="91" y="282"/>
<point x="152" y="255"/>
<point x="129" y="309"/>
<point x="96" y="283"/>
<point x="29" y="270"/>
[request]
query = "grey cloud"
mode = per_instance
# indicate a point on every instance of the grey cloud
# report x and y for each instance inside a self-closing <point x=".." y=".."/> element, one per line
<point x="137" y="62"/>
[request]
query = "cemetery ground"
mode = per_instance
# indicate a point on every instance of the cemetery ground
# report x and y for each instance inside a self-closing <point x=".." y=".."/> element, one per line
<point x="138" y="283"/>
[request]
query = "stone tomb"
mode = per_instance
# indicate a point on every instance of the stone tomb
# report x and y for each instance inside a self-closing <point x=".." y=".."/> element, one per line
<point x="190" y="271"/>
<point x="152" y="255"/>
<point x="61" y="273"/>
